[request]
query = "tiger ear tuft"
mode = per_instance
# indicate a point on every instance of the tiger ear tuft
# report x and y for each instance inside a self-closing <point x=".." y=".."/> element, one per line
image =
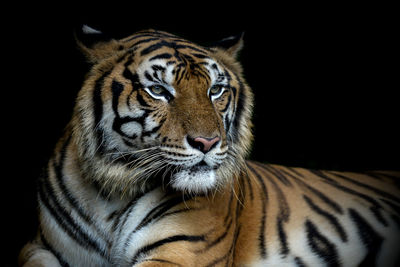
<point x="231" y="45"/>
<point x="91" y="42"/>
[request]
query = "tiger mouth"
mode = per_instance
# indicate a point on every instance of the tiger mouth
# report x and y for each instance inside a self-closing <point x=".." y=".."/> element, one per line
<point x="198" y="178"/>
<point x="201" y="166"/>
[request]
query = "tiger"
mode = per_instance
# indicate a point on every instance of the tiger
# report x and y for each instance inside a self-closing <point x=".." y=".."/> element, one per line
<point x="152" y="170"/>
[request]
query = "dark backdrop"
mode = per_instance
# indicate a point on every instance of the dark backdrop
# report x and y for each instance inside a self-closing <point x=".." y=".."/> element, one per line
<point x="323" y="76"/>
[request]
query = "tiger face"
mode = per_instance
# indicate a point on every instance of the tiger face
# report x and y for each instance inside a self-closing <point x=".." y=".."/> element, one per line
<point x="158" y="109"/>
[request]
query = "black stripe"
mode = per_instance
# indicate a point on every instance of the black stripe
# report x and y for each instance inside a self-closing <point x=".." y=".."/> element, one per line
<point x="158" y="68"/>
<point x="239" y="108"/>
<point x="248" y="182"/>
<point x="380" y="176"/>
<point x="228" y="210"/>
<point x="239" y="207"/>
<point x="145" y="41"/>
<point x="220" y="237"/>
<point x="153" y="215"/>
<point x="157" y="46"/>
<point x="133" y="78"/>
<point x="135" y="83"/>
<point x="393" y="206"/>
<point x="316" y="192"/>
<point x="202" y="56"/>
<point x="243" y="193"/>
<point x="163" y="261"/>
<point x="261" y="237"/>
<point x="161" y="56"/>
<point x="200" y="73"/>
<point x="228" y="256"/>
<point x="276" y="173"/>
<point x="195" y="67"/>
<point x="179" y="75"/>
<point x="141" y="35"/>
<point x="155" y="129"/>
<point x="171" y="239"/>
<point x="234" y="241"/>
<point x="117" y="89"/>
<point x="332" y="219"/>
<point x="228" y="76"/>
<point x="324" y="176"/>
<point x="372" y="188"/>
<point x="129" y="52"/>
<point x="284" y="212"/>
<point x="98" y="109"/>
<point x="282" y="236"/>
<point x="227" y="104"/>
<point x="124" y="211"/>
<point x="371" y="239"/>
<point x="320" y="245"/>
<point x="141" y="100"/>
<point x="394" y="177"/>
<point x="50" y="248"/>
<point x="177" y="154"/>
<point x="183" y="210"/>
<point x="148" y="76"/>
<point x="157" y="211"/>
<point x="294" y="171"/>
<point x="150" y="34"/>
<point x="299" y="262"/>
<point x="189" y="45"/>
<point x="118" y="122"/>
<point x="219" y="260"/>
<point x="64" y="220"/>
<point x="68" y="195"/>
<point x="376" y="207"/>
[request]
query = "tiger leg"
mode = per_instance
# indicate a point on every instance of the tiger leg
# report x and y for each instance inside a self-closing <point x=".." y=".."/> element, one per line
<point x="35" y="254"/>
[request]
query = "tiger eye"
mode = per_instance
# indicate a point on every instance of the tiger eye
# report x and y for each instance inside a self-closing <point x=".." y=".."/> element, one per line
<point x="157" y="89"/>
<point x="216" y="89"/>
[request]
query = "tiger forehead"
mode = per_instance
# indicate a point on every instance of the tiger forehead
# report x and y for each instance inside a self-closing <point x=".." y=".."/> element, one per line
<point x="150" y="41"/>
<point x="164" y="57"/>
<point x="167" y="68"/>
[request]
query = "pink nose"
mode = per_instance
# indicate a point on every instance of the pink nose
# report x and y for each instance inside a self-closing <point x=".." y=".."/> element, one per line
<point x="202" y="143"/>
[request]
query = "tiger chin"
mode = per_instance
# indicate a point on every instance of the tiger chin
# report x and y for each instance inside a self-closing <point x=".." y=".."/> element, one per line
<point x="151" y="171"/>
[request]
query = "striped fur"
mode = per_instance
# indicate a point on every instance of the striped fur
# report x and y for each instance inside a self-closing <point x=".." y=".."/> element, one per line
<point x="129" y="185"/>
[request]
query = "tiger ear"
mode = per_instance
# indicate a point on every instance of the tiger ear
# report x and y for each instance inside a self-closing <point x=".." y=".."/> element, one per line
<point x="231" y="45"/>
<point x="94" y="44"/>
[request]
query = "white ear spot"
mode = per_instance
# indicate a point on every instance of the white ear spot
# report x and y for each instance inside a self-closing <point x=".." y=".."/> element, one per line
<point x="89" y="30"/>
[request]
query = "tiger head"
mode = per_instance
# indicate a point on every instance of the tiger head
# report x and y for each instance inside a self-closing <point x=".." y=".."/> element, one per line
<point x="158" y="109"/>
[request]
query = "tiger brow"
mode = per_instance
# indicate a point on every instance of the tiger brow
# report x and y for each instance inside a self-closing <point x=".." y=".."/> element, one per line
<point x="161" y="56"/>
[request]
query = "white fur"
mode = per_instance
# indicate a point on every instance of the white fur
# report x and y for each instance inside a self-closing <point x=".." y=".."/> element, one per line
<point x="194" y="181"/>
<point x="131" y="128"/>
<point x="89" y="30"/>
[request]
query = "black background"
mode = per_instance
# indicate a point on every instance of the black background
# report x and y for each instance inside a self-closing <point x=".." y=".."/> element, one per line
<point x="325" y="80"/>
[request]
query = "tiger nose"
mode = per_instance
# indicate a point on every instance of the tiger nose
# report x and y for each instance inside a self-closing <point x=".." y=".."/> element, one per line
<point x="202" y="143"/>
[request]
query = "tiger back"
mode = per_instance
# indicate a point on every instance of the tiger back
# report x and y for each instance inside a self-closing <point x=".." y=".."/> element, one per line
<point x="151" y="171"/>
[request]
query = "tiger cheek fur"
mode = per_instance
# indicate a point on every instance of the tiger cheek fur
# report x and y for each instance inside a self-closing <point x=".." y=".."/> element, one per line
<point x="151" y="171"/>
